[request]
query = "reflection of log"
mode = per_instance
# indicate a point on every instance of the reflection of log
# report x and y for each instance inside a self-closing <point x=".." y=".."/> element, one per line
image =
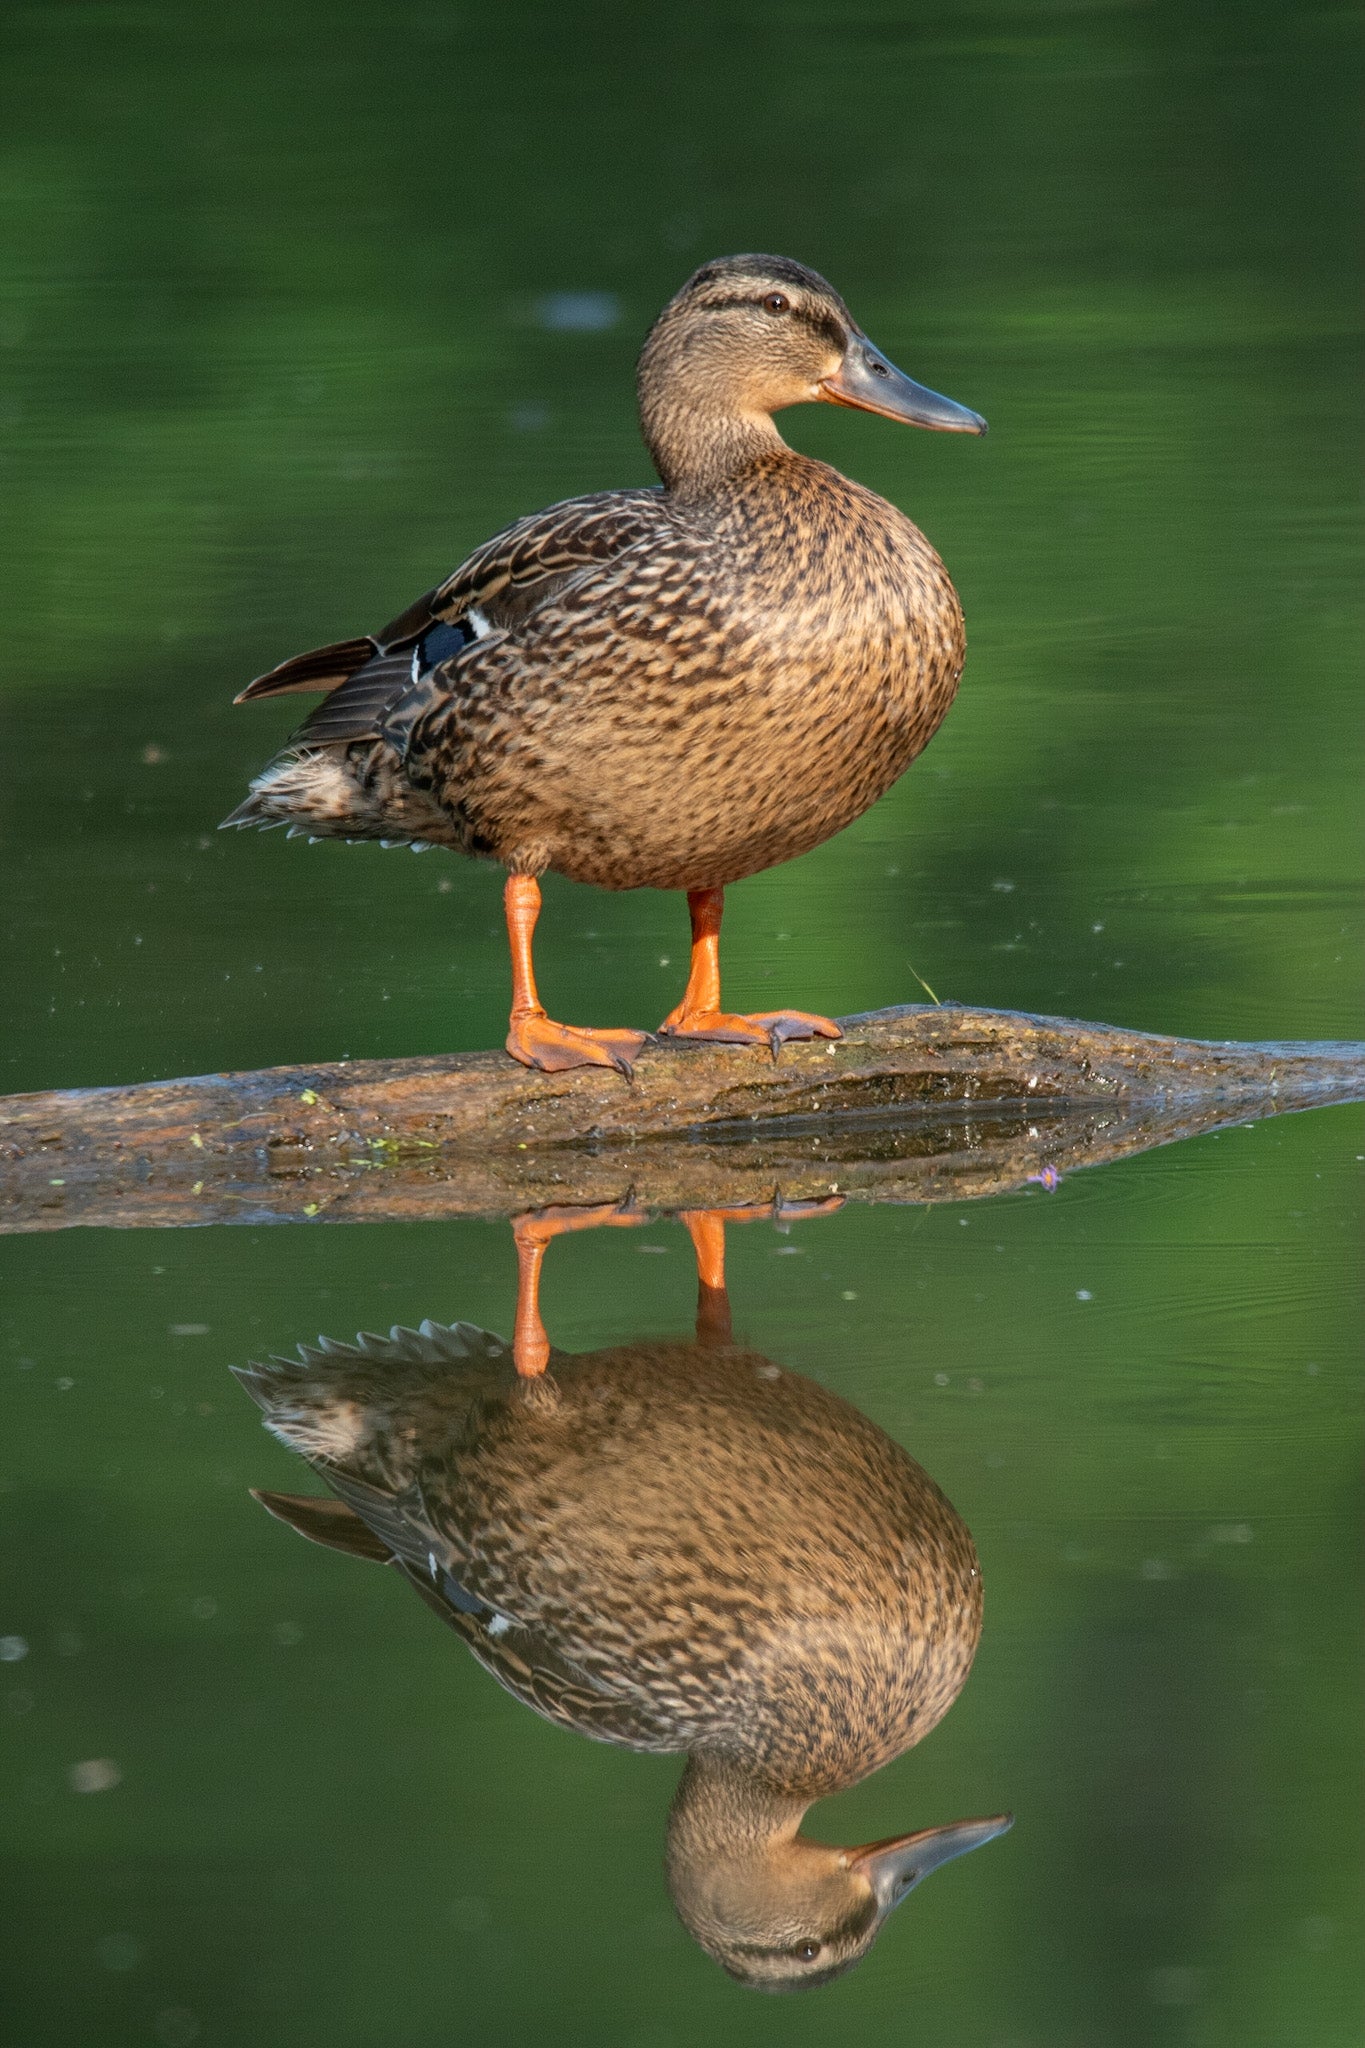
<point x="914" y="1104"/>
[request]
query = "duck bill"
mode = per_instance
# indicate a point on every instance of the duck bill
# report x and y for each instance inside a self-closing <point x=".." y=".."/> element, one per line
<point x="867" y="380"/>
<point x="894" y="1868"/>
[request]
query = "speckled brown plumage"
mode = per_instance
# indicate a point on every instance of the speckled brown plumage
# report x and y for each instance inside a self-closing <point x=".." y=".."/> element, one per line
<point x="669" y="688"/>
<point x="674" y="1547"/>
<point x="624" y="743"/>
<point x="737" y="1558"/>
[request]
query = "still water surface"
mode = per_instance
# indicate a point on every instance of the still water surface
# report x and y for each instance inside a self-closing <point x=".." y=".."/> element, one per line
<point x="278" y="350"/>
<point x="256" y="1782"/>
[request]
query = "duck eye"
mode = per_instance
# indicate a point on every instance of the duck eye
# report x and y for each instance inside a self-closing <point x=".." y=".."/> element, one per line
<point x="777" y="302"/>
<point x="808" y="1950"/>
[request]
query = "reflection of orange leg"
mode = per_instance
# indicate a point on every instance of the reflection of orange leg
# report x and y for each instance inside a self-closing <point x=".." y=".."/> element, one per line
<point x="532" y="1232"/>
<point x="699" y="1014"/>
<point x="534" y="1038"/>
<point x="706" y="1228"/>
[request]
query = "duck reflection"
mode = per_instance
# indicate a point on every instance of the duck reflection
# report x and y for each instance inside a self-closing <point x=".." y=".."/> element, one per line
<point x="678" y="1547"/>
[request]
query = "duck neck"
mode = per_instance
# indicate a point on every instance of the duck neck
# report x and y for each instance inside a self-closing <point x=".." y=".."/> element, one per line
<point x="699" y="448"/>
<point x="733" y="1848"/>
<point x="720" y="1809"/>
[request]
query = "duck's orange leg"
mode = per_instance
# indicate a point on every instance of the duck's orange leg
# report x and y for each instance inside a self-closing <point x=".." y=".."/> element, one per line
<point x="532" y="1231"/>
<point x="699" y="1014"/>
<point x="535" y="1039"/>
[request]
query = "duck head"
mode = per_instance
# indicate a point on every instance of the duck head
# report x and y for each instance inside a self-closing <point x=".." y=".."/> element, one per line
<point x="748" y="335"/>
<point x="777" y="1911"/>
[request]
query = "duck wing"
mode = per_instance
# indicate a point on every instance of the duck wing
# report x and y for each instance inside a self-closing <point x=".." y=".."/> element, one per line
<point x="500" y="584"/>
<point x="529" y="1666"/>
<point x="515" y="1649"/>
<point x="533" y="559"/>
<point x="365" y="1416"/>
<point x="371" y="1523"/>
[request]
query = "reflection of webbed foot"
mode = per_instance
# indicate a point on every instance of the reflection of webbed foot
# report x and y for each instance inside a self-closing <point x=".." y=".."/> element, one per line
<point x="537" y="1041"/>
<point x="764" y="1027"/>
<point x="778" y="1210"/>
<point x="538" y="1226"/>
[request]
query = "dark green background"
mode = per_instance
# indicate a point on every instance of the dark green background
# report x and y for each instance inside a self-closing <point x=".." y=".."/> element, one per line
<point x="274" y="353"/>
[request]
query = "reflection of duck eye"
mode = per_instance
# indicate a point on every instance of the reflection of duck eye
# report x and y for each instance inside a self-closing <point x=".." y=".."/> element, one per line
<point x="808" y="1951"/>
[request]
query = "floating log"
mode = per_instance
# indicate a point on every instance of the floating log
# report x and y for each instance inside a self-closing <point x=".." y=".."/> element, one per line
<point x="915" y="1104"/>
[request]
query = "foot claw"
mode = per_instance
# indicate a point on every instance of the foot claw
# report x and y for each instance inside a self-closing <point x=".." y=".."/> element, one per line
<point x="537" y="1041"/>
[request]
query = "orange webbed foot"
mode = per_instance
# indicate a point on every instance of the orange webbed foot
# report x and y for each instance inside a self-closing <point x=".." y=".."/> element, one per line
<point x="764" y="1027"/>
<point x="537" y="1041"/>
<point x="784" y="1024"/>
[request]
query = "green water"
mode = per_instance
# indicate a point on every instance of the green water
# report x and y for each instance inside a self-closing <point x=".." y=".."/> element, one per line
<point x="283" y="334"/>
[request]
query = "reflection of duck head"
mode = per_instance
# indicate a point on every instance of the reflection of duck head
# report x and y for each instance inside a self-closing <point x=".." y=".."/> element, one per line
<point x="778" y="1911"/>
<point x="675" y="1547"/>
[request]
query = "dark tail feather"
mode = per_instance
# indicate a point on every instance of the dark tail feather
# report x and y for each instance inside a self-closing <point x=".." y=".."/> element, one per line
<point x="356" y="710"/>
<point x="326" y="1521"/>
<point x="322" y="668"/>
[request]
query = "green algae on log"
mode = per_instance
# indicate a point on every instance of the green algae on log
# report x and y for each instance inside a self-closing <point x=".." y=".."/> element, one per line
<point x="917" y="1103"/>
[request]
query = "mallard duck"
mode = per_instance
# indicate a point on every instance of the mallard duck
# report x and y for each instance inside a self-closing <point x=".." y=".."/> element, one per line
<point x="666" y="688"/>
<point x="674" y="1547"/>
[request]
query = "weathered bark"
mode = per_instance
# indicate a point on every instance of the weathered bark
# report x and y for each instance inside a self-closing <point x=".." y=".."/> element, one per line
<point x="914" y="1104"/>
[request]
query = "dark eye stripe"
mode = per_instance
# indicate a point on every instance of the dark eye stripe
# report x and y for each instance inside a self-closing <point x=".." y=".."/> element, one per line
<point x="855" y="1924"/>
<point x="724" y="305"/>
<point x="824" y="324"/>
<point x="758" y="1953"/>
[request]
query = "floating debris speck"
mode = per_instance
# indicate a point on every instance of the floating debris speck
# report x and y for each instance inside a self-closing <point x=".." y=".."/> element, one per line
<point x="578" y="312"/>
<point x="96" y="1774"/>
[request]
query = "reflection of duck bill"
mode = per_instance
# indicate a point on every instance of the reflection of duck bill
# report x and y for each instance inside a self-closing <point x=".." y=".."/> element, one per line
<point x="895" y="1867"/>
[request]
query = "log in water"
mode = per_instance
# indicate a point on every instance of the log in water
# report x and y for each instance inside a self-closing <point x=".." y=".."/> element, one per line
<point x="918" y="1103"/>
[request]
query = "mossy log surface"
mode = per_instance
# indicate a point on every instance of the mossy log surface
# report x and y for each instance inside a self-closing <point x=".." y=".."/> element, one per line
<point x="913" y="1104"/>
